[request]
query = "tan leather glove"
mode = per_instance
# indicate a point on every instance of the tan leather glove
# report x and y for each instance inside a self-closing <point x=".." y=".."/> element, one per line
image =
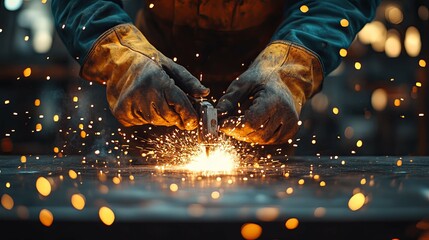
<point x="271" y="94"/>
<point x="143" y="85"/>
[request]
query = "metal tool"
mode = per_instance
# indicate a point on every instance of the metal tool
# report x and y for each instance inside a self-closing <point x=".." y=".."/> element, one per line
<point x="207" y="125"/>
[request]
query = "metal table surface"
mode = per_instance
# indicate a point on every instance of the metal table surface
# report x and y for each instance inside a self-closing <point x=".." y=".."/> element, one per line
<point x="152" y="203"/>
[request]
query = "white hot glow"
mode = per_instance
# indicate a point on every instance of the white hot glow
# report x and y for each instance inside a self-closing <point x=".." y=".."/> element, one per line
<point x="12" y="5"/>
<point x="220" y="161"/>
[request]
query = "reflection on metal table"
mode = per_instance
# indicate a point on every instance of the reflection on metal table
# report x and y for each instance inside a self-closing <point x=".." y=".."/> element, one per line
<point x="308" y="197"/>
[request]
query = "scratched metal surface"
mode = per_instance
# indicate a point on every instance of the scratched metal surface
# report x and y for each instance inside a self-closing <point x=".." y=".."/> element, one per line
<point x="394" y="193"/>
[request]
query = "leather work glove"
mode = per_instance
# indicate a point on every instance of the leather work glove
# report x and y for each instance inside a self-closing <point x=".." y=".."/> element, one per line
<point x="270" y="93"/>
<point x="143" y="85"/>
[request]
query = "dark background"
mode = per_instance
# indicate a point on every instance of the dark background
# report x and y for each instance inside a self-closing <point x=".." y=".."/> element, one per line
<point x="391" y="72"/>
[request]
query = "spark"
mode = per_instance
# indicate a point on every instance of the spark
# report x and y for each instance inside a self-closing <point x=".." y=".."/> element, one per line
<point x="292" y="223"/>
<point x="7" y="201"/>
<point x="72" y="174"/>
<point x="43" y="186"/>
<point x="356" y="201"/>
<point x="359" y="143"/>
<point x="107" y="216"/>
<point x="174" y="187"/>
<point x="304" y="8"/>
<point x="78" y="201"/>
<point x="215" y="195"/>
<point x="399" y="163"/>
<point x="27" y="72"/>
<point x="358" y="65"/>
<point x="343" y="52"/>
<point x="180" y="151"/>
<point x="222" y="160"/>
<point x="344" y="22"/>
<point x="46" y="217"/>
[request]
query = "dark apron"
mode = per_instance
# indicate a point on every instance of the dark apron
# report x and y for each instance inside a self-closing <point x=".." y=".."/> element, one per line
<point x="227" y="34"/>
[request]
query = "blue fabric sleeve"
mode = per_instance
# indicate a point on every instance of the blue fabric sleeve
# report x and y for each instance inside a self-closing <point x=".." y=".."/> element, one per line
<point x="319" y="28"/>
<point x="80" y="22"/>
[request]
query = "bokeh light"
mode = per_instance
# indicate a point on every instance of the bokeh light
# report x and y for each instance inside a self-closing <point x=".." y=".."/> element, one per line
<point x="43" y="186"/>
<point x="251" y="231"/>
<point x="107" y="216"/>
<point x="356" y="201"/>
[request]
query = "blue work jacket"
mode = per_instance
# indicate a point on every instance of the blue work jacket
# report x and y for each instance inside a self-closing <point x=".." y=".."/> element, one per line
<point x="219" y="36"/>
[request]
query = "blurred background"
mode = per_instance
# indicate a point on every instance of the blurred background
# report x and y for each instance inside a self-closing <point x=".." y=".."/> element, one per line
<point x="374" y="103"/>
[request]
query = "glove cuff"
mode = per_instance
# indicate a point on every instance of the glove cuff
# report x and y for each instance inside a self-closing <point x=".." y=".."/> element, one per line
<point x="112" y="52"/>
<point x="301" y="68"/>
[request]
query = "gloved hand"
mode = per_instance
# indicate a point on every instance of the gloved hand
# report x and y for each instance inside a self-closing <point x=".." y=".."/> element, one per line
<point x="271" y="94"/>
<point x="143" y="85"/>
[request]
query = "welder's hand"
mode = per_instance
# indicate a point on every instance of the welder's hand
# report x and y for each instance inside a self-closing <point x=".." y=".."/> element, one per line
<point x="263" y="105"/>
<point x="143" y="85"/>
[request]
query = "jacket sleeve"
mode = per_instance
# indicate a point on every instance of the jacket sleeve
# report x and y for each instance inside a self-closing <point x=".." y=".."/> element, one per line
<point x="80" y="22"/>
<point x="319" y="28"/>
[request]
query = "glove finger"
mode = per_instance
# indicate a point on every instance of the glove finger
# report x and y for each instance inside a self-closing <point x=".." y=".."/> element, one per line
<point x="281" y="124"/>
<point x="241" y="129"/>
<point x="229" y="104"/>
<point x="128" y="118"/>
<point x="262" y="109"/>
<point x="267" y="133"/>
<point x="262" y="123"/>
<point x="126" y="111"/>
<point x="185" y="81"/>
<point x="288" y="129"/>
<point x="153" y="110"/>
<point x="179" y="102"/>
<point x="237" y="128"/>
<point x="163" y="114"/>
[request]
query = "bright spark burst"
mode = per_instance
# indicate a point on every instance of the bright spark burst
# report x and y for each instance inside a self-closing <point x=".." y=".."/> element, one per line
<point x="223" y="159"/>
<point x="180" y="151"/>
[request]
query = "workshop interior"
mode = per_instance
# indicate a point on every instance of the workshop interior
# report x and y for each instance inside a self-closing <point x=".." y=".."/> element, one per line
<point x="376" y="96"/>
<point x="358" y="166"/>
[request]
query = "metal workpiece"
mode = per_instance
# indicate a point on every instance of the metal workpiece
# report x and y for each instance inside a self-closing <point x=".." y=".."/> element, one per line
<point x="332" y="198"/>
